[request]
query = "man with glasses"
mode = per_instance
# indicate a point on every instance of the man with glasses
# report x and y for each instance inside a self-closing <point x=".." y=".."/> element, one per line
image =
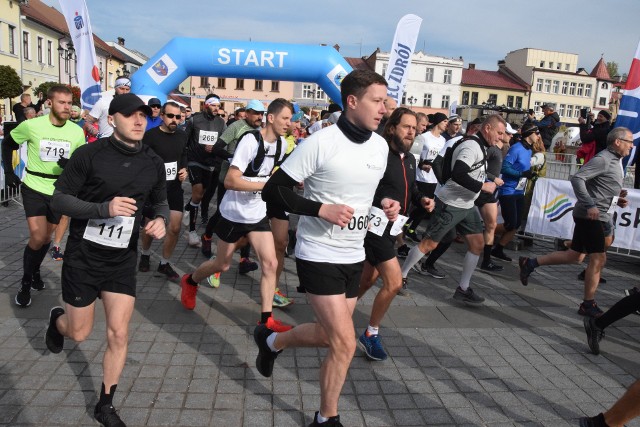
<point x="598" y="188"/>
<point x="154" y="120"/>
<point x="169" y="143"/>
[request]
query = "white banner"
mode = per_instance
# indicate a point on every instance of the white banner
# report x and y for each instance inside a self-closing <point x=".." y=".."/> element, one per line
<point x="404" y="44"/>
<point x="551" y="213"/>
<point x="87" y="73"/>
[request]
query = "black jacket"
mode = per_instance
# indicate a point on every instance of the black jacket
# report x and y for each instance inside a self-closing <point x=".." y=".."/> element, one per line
<point x="399" y="181"/>
<point x="597" y="133"/>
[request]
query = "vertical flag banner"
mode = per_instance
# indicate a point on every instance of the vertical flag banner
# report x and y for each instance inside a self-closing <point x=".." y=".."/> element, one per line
<point x="88" y="75"/>
<point x="453" y="108"/>
<point x="629" y="113"/>
<point x="404" y="44"/>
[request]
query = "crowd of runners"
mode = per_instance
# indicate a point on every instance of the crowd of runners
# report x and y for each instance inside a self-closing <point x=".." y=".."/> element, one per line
<point x="364" y="181"/>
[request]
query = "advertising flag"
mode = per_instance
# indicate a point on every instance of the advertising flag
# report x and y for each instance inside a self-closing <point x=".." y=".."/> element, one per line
<point x="629" y="113"/>
<point x="404" y="44"/>
<point x="87" y="73"/>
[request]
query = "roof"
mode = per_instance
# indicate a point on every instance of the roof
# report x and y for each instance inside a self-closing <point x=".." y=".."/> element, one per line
<point x="357" y="63"/>
<point x="600" y="71"/>
<point x="493" y="79"/>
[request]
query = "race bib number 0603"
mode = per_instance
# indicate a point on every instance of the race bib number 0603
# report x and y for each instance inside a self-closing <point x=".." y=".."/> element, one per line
<point x="357" y="227"/>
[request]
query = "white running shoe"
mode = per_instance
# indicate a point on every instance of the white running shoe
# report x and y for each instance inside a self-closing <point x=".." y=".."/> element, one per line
<point x="194" y="239"/>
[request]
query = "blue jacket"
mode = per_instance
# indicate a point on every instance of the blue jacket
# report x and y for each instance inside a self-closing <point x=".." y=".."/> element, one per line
<point x="517" y="161"/>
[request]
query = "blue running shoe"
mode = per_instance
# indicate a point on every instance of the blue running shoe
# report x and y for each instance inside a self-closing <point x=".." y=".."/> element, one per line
<point x="372" y="346"/>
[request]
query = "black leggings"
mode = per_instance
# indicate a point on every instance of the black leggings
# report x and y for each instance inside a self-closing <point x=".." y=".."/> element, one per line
<point x="622" y="308"/>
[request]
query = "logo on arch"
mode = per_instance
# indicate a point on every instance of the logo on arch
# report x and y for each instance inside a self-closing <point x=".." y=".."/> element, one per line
<point x="162" y="69"/>
<point x="336" y="75"/>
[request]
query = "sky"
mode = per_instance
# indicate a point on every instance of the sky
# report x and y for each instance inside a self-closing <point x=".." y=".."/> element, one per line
<point x="480" y="31"/>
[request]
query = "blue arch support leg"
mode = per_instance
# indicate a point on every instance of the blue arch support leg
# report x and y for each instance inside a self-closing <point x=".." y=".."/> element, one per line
<point x="183" y="57"/>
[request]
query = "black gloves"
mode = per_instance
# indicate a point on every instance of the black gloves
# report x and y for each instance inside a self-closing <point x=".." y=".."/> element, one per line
<point x="62" y="162"/>
<point x="527" y="174"/>
<point x="11" y="180"/>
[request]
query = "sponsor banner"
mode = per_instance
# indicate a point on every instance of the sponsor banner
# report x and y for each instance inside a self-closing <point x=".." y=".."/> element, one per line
<point x="404" y="44"/>
<point x="551" y="213"/>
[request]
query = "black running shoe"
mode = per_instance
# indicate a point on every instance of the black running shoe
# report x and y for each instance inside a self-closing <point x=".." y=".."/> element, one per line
<point x="632" y="291"/>
<point x="411" y="234"/>
<point x="53" y="338"/>
<point x="108" y="416"/>
<point x="403" y="251"/>
<point x="468" y="296"/>
<point x="594" y="334"/>
<point x="37" y="284"/>
<point x="143" y="265"/>
<point x="525" y="270"/>
<point x="331" y="422"/>
<point x="499" y="253"/>
<point x="168" y="271"/>
<point x="404" y="291"/>
<point x="23" y="298"/>
<point x="491" y="267"/>
<point x="266" y="357"/>
<point x="247" y="266"/>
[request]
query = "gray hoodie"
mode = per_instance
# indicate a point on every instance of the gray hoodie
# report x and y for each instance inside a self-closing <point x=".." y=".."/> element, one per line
<point x="596" y="183"/>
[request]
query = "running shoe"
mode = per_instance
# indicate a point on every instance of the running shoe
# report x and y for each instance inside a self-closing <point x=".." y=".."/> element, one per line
<point x="588" y="422"/>
<point x="205" y="245"/>
<point x="56" y="253"/>
<point x="411" y="234"/>
<point x="581" y="276"/>
<point x="204" y="217"/>
<point x="525" y="270"/>
<point x="276" y="325"/>
<point x="632" y="291"/>
<point x="281" y="300"/>
<point x="404" y="290"/>
<point x="594" y="334"/>
<point x="143" y="265"/>
<point x="194" y="239"/>
<point x="188" y="293"/>
<point x="23" y="298"/>
<point x="590" y="310"/>
<point x="266" y="357"/>
<point x="185" y="215"/>
<point x="499" y="253"/>
<point x="214" y="280"/>
<point x="429" y="270"/>
<point x="37" y="284"/>
<point x="372" y="346"/>
<point x="53" y="338"/>
<point x="168" y="271"/>
<point x="108" y="416"/>
<point x="468" y="296"/>
<point x="247" y="266"/>
<point x="403" y="251"/>
<point x="331" y="422"/>
<point x="491" y="267"/>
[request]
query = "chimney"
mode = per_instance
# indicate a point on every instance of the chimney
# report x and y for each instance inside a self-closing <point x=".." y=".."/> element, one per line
<point x="336" y="47"/>
<point x="472" y="66"/>
<point x="121" y="41"/>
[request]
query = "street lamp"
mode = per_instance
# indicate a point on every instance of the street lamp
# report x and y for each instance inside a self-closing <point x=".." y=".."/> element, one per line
<point x="123" y="72"/>
<point x="411" y="100"/>
<point x="68" y="54"/>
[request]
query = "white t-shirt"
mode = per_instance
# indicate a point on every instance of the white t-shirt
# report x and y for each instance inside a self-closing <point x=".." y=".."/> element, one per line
<point x="336" y="170"/>
<point x="315" y="127"/>
<point x="100" y="111"/>
<point x="247" y="207"/>
<point x="432" y="146"/>
<point x="451" y="192"/>
<point x="416" y="147"/>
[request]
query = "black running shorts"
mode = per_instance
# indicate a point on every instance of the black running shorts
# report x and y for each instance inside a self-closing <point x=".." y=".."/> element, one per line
<point x="589" y="234"/>
<point x="38" y="204"/>
<point x="323" y="278"/>
<point x="81" y="287"/>
<point x="378" y="249"/>
<point x="231" y="232"/>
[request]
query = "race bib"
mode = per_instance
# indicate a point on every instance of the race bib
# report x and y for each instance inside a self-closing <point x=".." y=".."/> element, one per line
<point x="207" y="137"/>
<point x="357" y="227"/>
<point x="51" y="151"/>
<point x="522" y="182"/>
<point x="113" y="232"/>
<point x="614" y="204"/>
<point x="248" y="196"/>
<point x="171" y="169"/>
<point x="377" y="221"/>
<point x="396" y="228"/>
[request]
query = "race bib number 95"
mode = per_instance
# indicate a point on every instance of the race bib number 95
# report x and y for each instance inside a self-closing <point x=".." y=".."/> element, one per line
<point x="51" y="151"/>
<point x="113" y="232"/>
<point x="171" y="170"/>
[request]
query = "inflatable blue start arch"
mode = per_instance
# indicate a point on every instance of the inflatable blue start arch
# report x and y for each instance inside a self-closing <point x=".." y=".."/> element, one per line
<point x="184" y="57"/>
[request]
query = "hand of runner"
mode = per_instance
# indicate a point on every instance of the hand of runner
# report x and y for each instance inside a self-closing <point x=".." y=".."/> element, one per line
<point x="336" y="214"/>
<point x="593" y="213"/>
<point x="156" y="228"/>
<point x="122" y="206"/>
<point x="208" y="148"/>
<point x="428" y="204"/>
<point x="391" y="208"/>
<point x="623" y="203"/>
<point x="623" y="193"/>
<point x="182" y="174"/>
<point x="489" y="187"/>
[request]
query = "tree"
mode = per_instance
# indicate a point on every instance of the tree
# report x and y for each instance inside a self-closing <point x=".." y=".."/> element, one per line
<point x="44" y="88"/>
<point x="612" y="68"/>
<point x="10" y="84"/>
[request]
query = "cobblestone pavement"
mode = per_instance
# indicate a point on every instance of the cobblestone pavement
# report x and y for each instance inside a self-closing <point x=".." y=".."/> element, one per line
<point x="521" y="359"/>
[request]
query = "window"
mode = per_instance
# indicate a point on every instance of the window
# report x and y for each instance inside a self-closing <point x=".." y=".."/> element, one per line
<point x="465" y="97"/>
<point x="572" y="88"/>
<point x="384" y="70"/>
<point x="550" y="64"/>
<point x="602" y="101"/>
<point x="445" y="101"/>
<point x="204" y="81"/>
<point x="539" y="83"/>
<point x="547" y="86"/>
<point x="556" y="86"/>
<point x="222" y="83"/>
<point x="403" y="101"/>
<point x="561" y="108"/>
<point x="536" y="106"/>
<point x="307" y="92"/>
<point x="40" y="57"/>
<point x="565" y="87"/>
<point x="239" y="84"/>
<point x="320" y="93"/>
<point x="605" y="86"/>
<point x="12" y="39"/>
<point x="510" y="99"/>
<point x="580" y="89"/>
<point x="569" y="111"/>
<point x="50" y="52"/>
<point x="518" y="102"/>
<point x="588" y="90"/>
<point x="541" y="64"/>
<point x="576" y="112"/>
<point x="566" y="67"/>
<point x="257" y="85"/>
<point x="429" y="75"/>
<point x="474" y="98"/>
<point x="26" y="47"/>
<point x="448" y="75"/>
<point x="558" y="66"/>
<point x="493" y="99"/>
<point x="426" y="101"/>
<point x="275" y="86"/>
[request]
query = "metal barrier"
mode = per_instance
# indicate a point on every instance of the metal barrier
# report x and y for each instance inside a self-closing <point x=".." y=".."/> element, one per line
<point x="9" y="194"/>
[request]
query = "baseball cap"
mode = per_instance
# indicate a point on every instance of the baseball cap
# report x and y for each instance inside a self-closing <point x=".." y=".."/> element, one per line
<point x="297" y="116"/>
<point x="154" y="101"/>
<point x="550" y="106"/>
<point x="510" y="130"/>
<point x="127" y="104"/>
<point x="256" y="105"/>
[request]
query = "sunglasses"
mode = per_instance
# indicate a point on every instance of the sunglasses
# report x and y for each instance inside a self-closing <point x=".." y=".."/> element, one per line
<point x="171" y="115"/>
<point x="155" y="106"/>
